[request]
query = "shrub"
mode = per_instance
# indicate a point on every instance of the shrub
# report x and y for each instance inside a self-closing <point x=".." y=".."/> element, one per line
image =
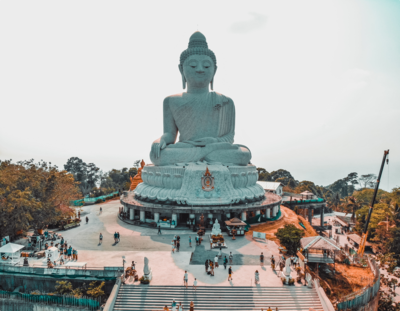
<point x="289" y="236"/>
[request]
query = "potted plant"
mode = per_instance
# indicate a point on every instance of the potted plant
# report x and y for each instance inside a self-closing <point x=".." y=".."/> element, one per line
<point x="283" y="281"/>
<point x="291" y="281"/>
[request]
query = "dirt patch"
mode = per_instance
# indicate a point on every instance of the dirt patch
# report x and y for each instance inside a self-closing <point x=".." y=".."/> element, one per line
<point x="289" y="217"/>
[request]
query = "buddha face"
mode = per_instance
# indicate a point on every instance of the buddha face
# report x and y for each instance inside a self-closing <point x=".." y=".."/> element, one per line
<point x="198" y="70"/>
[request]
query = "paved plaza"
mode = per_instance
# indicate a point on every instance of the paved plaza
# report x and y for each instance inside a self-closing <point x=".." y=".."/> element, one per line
<point x="168" y="268"/>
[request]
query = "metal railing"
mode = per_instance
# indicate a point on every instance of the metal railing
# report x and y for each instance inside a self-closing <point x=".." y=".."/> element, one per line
<point x="90" y="303"/>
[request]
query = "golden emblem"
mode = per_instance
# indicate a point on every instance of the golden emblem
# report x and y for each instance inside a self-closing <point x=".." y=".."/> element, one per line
<point x="207" y="181"/>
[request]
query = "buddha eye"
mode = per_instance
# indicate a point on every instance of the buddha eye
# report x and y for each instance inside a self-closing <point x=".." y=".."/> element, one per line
<point x="193" y="64"/>
<point x="206" y="64"/>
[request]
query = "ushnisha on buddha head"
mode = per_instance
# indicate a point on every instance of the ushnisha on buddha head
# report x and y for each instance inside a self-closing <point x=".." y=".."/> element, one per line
<point x="198" y="64"/>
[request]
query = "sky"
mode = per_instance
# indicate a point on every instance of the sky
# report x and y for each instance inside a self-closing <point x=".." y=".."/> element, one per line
<point x="316" y="84"/>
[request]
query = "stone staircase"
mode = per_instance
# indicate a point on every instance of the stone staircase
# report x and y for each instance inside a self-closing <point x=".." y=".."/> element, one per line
<point x="214" y="298"/>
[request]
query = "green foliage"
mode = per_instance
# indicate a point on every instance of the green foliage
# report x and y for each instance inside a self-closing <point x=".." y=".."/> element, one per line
<point x="63" y="288"/>
<point x="118" y="179"/>
<point x="33" y="195"/>
<point x="95" y="290"/>
<point x="289" y="236"/>
<point x="86" y="174"/>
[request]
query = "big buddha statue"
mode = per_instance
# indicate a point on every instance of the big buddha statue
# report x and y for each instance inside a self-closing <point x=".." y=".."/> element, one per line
<point x="204" y="119"/>
<point x="203" y="167"/>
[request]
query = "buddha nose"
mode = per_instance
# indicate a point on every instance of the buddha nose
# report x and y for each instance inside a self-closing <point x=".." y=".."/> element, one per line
<point x="199" y="71"/>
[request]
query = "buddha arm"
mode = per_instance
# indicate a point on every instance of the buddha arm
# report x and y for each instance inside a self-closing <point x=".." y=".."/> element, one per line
<point x="227" y="123"/>
<point x="170" y="129"/>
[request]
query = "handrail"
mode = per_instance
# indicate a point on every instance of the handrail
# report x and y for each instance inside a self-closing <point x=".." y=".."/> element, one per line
<point x="113" y="296"/>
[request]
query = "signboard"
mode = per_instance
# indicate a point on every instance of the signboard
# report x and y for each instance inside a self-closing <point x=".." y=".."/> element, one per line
<point x="259" y="235"/>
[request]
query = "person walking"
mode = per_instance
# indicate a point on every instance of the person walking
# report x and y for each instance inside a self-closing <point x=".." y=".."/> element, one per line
<point x="262" y="259"/>
<point x="216" y="261"/>
<point x="195" y="284"/>
<point x="185" y="279"/>
<point x="206" y="264"/>
<point x="230" y="274"/>
<point x="175" y="240"/>
<point x="256" y="277"/>
<point x="101" y="210"/>
<point x="159" y="230"/>
<point x="191" y="306"/>
<point x="119" y="237"/>
<point x="69" y="252"/>
<point x="190" y="241"/>
<point x="178" y="244"/>
<point x="197" y="240"/>
<point x="73" y="254"/>
<point x="230" y="258"/>
<point x="87" y="220"/>
<point x="220" y="253"/>
<point x="180" y="307"/>
<point x="62" y="242"/>
<point x="212" y="267"/>
<point x="173" y="246"/>
<point x="225" y="262"/>
<point x="100" y="238"/>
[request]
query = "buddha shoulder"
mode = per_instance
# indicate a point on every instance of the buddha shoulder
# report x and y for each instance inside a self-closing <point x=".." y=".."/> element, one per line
<point x="179" y="99"/>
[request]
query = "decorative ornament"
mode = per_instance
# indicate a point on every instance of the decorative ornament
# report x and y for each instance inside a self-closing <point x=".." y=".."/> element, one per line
<point x="207" y="181"/>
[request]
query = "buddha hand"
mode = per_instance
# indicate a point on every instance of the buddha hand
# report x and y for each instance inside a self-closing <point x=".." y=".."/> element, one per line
<point x="204" y="141"/>
<point x="157" y="146"/>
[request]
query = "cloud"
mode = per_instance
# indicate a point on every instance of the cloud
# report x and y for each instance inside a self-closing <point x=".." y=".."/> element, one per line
<point x="257" y="21"/>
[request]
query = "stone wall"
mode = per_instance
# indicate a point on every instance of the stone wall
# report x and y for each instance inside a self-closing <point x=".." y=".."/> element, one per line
<point x="8" y="304"/>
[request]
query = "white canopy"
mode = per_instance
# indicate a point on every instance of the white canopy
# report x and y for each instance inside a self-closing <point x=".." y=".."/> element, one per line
<point x="11" y="248"/>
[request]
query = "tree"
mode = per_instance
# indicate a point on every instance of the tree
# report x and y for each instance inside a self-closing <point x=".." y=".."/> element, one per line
<point x="367" y="180"/>
<point x="63" y="288"/>
<point x="335" y="201"/>
<point x="306" y="185"/>
<point x="96" y="290"/>
<point x="86" y="174"/>
<point x="33" y="195"/>
<point x="352" y="206"/>
<point x="289" y="236"/>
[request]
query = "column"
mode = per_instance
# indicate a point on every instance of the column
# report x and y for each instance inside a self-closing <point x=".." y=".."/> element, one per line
<point x="268" y="213"/>
<point x="244" y="216"/>
<point x="322" y="216"/>
<point x="142" y="216"/>
<point x="174" y="218"/>
<point x="310" y="216"/>
<point x="258" y="212"/>
<point x="274" y="211"/>
<point x="131" y="213"/>
<point x="156" y="217"/>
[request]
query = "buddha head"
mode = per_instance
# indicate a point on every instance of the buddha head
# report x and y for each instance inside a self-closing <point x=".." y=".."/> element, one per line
<point x="197" y="63"/>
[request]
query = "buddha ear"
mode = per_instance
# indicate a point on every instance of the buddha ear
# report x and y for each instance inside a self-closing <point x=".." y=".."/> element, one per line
<point x="212" y="81"/>
<point x="183" y="77"/>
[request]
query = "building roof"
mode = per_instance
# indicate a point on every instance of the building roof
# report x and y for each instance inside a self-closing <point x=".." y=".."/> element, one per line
<point x="235" y="222"/>
<point x="269" y="185"/>
<point x="356" y="238"/>
<point x="344" y="220"/>
<point x="11" y="248"/>
<point x="319" y="242"/>
<point x="307" y="193"/>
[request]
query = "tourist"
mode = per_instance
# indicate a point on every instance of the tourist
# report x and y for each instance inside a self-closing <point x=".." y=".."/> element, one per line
<point x="69" y="252"/>
<point x="76" y="255"/>
<point x="295" y="260"/>
<point x="101" y="209"/>
<point x="180" y="307"/>
<point x="100" y="238"/>
<point x="185" y="279"/>
<point x="62" y="241"/>
<point x="115" y="237"/>
<point x="272" y="260"/>
<point x="195" y="284"/>
<point x="133" y="265"/>
<point x="87" y="220"/>
<point x="262" y="259"/>
<point x="159" y="230"/>
<point x="119" y="237"/>
<point x="166" y="308"/>
<point x="61" y="260"/>
<point x="212" y="267"/>
<point x="256" y="277"/>
<point x="191" y="306"/>
<point x="225" y="262"/>
<point x="230" y="258"/>
<point x="220" y="253"/>
<point x="190" y="241"/>
<point x="178" y="244"/>
<point x="173" y="305"/>
<point x="178" y="238"/>
<point x="292" y="260"/>
<point x="206" y="264"/>
<point x="173" y="246"/>
<point x="230" y="274"/>
<point x="175" y="240"/>
<point x="216" y="261"/>
<point x="197" y="240"/>
<point x="79" y="214"/>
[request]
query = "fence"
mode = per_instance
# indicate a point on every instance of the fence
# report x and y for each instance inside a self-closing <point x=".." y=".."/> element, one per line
<point x="91" y="303"/>
<point x="365" y="295"/>
<point x="106" y="273"/>
<point x="92" y="200"/>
